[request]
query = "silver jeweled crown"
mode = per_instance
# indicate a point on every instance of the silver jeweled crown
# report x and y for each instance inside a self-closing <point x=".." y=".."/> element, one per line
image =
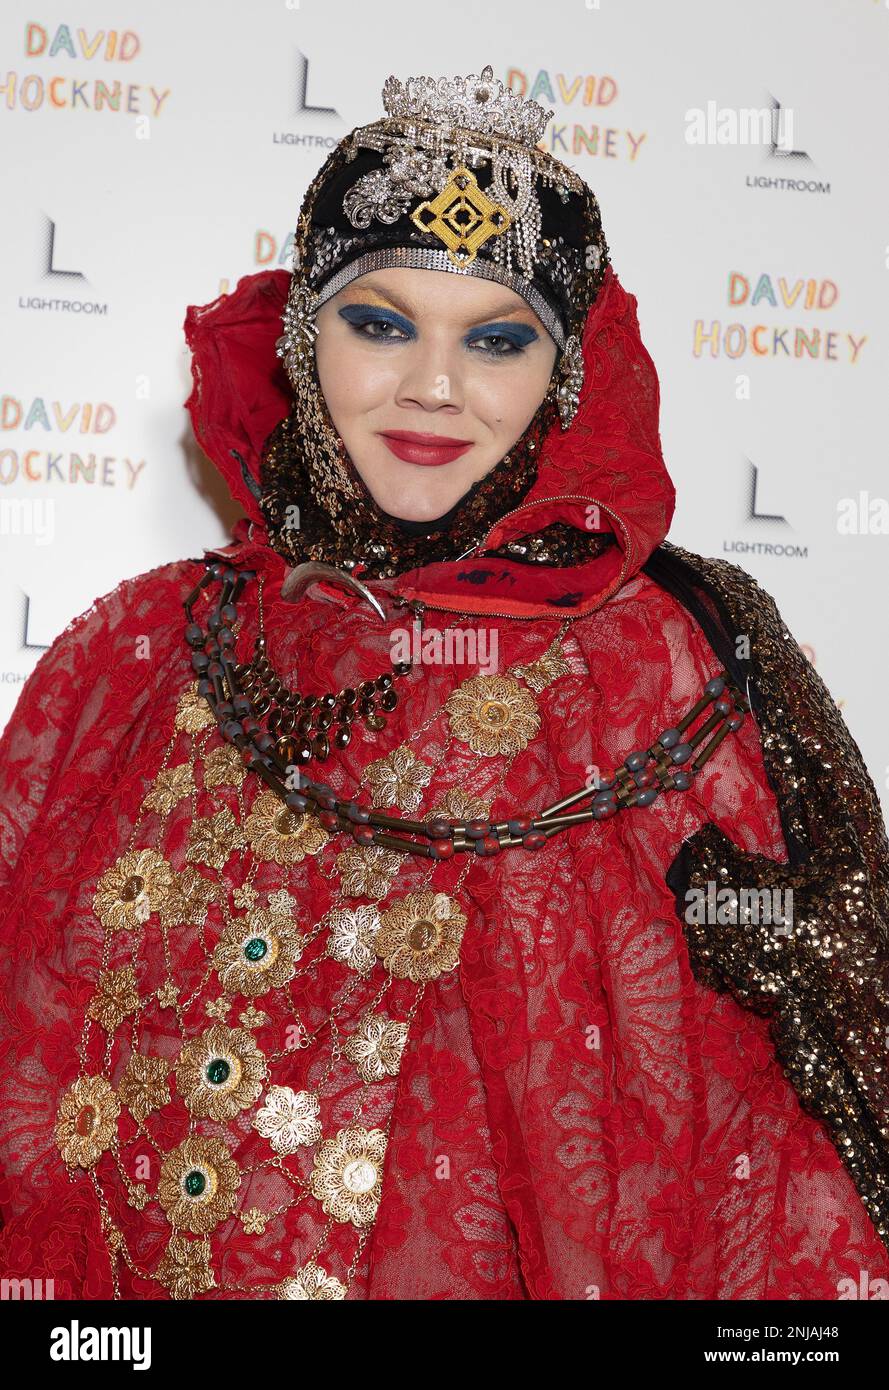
<point x="480" y="103"/>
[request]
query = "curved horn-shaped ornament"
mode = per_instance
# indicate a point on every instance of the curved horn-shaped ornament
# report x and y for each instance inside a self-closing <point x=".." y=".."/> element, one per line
<point x="301" y="576"/>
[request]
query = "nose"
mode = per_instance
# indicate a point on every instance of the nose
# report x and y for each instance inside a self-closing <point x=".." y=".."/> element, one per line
<point x="432" y="377"/>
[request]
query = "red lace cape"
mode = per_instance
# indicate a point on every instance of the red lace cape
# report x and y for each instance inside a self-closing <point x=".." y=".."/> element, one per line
<point x="576" y="1116"/>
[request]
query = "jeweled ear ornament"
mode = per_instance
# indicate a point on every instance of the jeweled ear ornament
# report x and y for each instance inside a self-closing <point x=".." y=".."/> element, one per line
<point x="297" y="343"/>
<point x="571" y="372"/>
<point x="301" y="576"/>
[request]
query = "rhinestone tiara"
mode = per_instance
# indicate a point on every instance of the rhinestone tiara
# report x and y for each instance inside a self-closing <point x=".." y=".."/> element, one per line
<point x="480" y="103"/>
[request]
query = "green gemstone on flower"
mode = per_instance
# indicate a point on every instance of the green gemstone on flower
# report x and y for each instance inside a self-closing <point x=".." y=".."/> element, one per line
<point x="218" y="1071"/>
<point x="255" y="948"/>
<point x="195" y="1183"/>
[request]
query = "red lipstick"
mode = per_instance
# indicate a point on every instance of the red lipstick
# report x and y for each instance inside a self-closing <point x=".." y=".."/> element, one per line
<point x="428" y="450"/>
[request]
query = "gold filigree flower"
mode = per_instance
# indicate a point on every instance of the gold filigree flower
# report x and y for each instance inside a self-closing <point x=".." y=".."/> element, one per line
<point x="198" y="1185"/>
<point x="493" y="714"/>
<point x="546" y="669"/>
<point x="253" y="1018"/>
<point x="279" y="834"/>
<point x="138" y="1196"/>
<point x="245" y="897"/>
<point x="347" y="1177"/>
<point x="167" y="995"/>
<point x="420" y="935"/>
<point x="193" y="713"/>
<point x="220" y="1072"/>
<point x="398" y="779"/>
<point x="224" y="767"/>
<point x="117" y="995"/>
<point x="185" y="1269"/>
<point x="218" y="1008"/>
<point x="254" y="1221"/>
<point x="352" y="933"/>
<point x="143" y="1086"/>
<point x="170" y="785"/>
<point x="367" y="870"/>
<point x="257" y="953"/>
<point x="136" y="885"/>
<point x="211" y="839"/>
<point x="375" y="1050"/>
<point x="457" y="804"/>
<point x="312" y="1282"/>
<point x="289" y="1119"/>
<point x="282" y="903"/>
<point x="188" y="899"/>
<point x="86" y="1122"/>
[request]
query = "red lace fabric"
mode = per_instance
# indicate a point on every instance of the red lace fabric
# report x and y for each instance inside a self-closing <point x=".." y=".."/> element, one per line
<point x="575" y="1116"/>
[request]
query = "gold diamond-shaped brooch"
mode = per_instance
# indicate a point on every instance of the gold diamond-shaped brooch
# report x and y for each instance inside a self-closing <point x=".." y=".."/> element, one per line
<point x="462" y="216"/>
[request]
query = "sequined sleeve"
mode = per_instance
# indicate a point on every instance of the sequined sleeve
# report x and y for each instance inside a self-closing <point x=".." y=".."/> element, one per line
<point x="822" y="975"/>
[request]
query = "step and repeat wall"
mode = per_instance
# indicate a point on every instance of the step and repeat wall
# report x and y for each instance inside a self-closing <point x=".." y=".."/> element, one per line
<point x="152" y="155"/>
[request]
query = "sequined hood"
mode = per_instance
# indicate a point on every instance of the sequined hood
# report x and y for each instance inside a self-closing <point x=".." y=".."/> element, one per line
<point x="606" y="473"/>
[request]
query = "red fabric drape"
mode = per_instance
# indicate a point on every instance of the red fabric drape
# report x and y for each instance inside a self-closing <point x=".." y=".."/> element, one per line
<point x="575" y="1117"/>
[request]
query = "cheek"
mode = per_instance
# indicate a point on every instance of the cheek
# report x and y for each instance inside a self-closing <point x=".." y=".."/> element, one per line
<point x="507" y="396"/>
<point x="353" y="380"/>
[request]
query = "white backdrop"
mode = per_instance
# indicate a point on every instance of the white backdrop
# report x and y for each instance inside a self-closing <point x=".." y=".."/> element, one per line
<point x="154" y="154"/>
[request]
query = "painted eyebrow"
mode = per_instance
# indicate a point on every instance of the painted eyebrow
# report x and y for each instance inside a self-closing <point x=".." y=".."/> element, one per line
<point x="500" y="312"/>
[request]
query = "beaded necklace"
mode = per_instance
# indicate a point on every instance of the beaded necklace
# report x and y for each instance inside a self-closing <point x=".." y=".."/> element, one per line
<point x="644" y="775"/>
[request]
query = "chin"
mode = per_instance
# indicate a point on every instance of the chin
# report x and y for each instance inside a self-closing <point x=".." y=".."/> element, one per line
<point x="413" y="498"/>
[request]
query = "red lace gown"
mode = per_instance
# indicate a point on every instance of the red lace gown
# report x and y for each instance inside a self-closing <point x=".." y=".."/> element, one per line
<point x="575" y="1116"/>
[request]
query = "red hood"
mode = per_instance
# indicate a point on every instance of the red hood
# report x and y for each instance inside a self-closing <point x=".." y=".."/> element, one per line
<point x="610" y="458"/>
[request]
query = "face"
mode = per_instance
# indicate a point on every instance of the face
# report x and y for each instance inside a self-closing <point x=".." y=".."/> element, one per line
<point x="430" y="379"/>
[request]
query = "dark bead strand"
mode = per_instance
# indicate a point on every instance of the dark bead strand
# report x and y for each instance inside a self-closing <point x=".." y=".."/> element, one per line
<point x="318" y="714"/>
<point x="224" y="684"/>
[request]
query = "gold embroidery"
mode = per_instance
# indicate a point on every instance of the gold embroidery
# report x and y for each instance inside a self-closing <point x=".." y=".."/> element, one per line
<point x="170" y="786"/>
<point x="117" y="995"/>
<point x="135" y="886"/>
<point x="546" y="669"/>
<point x="398" y="779"/>
<point x="348" y="1174"/>
<point x="87" y="1121"/>
<point x="185" y="1269"/>
<point x="220" y="1072"/>
<point x="493" y="715"/>
<point x="167" y="995"/>
<point x="224" y="767"/>
<point x="198" y="1185"/>
<point x="193" y="714"/>
<point x="143" y="1086"/>
<point x="253" y="1222"/>
<point x="211" y="839"/>
<point x="279" y="834"/>
<point x="289" y="1119"/>
<point x="420" y="935"/>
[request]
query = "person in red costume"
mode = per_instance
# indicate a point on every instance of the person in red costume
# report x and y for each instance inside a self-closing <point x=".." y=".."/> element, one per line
<point x="360" y="943"/>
